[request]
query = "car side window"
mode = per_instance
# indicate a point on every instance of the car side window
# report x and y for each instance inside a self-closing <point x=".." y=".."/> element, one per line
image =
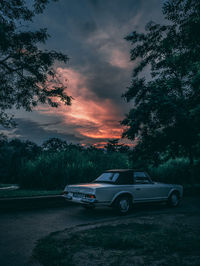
<point x="141" y="178"/>
<point x="125" y="179"/>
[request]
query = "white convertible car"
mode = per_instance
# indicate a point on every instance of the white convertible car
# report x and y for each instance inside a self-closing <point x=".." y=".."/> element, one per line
<point x="121" y="188"/>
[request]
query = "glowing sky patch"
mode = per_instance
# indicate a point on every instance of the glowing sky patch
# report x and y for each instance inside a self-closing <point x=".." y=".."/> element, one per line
<point x="94" y="118"/>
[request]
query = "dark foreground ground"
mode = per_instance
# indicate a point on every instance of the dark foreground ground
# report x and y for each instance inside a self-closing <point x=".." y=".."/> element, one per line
<point x="20" y="230"/>
<point x="150" y="240"/>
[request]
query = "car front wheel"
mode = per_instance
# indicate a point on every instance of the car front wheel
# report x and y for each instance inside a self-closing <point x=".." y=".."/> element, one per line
<point x="174" y="199"/>
<point x="123" y="205"/>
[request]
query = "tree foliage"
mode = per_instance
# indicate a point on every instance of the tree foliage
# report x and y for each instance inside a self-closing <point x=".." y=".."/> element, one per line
<point x="27" y="74"/>
<point x="54" y="145"/>
<point x="166" y="108"/>
<point x="114" y="146"/>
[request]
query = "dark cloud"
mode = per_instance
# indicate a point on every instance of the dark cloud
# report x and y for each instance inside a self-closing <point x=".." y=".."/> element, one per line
<point x="107" y="81"/>
<point x="38" y="133"/>
<point x="88" y="28"/>
<point x="94" y="3"/>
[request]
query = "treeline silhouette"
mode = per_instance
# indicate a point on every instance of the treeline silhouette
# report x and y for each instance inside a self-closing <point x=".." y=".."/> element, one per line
<point x="56" y="163"/>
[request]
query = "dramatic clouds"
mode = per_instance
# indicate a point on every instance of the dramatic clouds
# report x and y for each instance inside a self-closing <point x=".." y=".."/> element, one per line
<point x="27" y="129"/>
<point x="92" y="33"/>
<point x="89" y="115"/>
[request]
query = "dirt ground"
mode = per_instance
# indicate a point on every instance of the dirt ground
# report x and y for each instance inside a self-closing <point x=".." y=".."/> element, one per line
<point x="169" y="237"/>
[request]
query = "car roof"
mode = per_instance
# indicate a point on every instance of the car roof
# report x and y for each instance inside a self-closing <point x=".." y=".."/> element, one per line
<point x="124" y="170"/>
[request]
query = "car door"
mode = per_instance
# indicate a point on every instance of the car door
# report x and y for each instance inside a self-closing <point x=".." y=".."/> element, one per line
<point x="144" y="189"/>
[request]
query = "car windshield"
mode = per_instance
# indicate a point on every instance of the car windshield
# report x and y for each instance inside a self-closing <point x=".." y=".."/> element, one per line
<point x="107" y="177"/>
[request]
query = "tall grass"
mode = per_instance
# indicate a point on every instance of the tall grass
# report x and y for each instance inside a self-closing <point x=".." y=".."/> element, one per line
<point x="55" y="170"/>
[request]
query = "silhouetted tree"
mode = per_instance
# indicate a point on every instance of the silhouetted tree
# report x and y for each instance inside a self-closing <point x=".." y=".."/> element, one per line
<point x="123" y="148"/>
<point x="27" y="75"/>
<point x="3" y="140"/>
<point x="12" y="156"/>
<point x="54" y="145"/>
<point x="112" y="145"/>
<point x="93" y="148"/>
<point x="166" y="109"/>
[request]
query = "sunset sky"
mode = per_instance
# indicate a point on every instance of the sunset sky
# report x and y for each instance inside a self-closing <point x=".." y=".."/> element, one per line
<point x="91" y="33"/>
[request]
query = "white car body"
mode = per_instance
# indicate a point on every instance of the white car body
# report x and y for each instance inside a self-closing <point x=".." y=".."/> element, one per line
<point x="140" y="189"/>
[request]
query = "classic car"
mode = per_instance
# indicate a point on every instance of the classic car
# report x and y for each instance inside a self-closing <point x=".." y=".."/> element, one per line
<point x="121" y="188"/>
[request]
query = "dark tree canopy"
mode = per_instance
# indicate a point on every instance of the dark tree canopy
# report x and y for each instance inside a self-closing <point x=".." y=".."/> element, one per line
<point x="27" y="74"/>
<point x="166" y="109"/>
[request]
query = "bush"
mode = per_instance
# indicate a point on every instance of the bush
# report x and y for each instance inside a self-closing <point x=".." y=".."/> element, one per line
<point x="176" y="171"/>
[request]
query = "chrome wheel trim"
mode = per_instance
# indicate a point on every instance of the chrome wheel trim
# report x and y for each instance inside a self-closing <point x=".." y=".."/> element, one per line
<point x="174" y="199"/>
<point x="124" y="205"/>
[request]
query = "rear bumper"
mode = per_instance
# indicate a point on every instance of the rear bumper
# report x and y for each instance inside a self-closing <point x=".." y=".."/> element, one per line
<point x="86" y="201"/>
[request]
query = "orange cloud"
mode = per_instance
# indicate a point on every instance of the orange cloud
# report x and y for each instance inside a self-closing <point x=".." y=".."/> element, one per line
<point x="90" y="117"/>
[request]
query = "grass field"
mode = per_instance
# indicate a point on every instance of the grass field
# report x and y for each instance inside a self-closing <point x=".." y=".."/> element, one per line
<point x="160" y="240"/>
<point x="27" y="193"/>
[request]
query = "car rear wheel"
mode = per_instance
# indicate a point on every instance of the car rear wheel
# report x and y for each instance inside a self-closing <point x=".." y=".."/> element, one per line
<point x="123" y="204"/>
<point x="174" y="199"/>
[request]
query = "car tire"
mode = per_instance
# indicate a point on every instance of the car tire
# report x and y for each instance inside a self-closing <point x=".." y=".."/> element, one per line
<point x="174" y="199"/>
<point x="123" y="205"/>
